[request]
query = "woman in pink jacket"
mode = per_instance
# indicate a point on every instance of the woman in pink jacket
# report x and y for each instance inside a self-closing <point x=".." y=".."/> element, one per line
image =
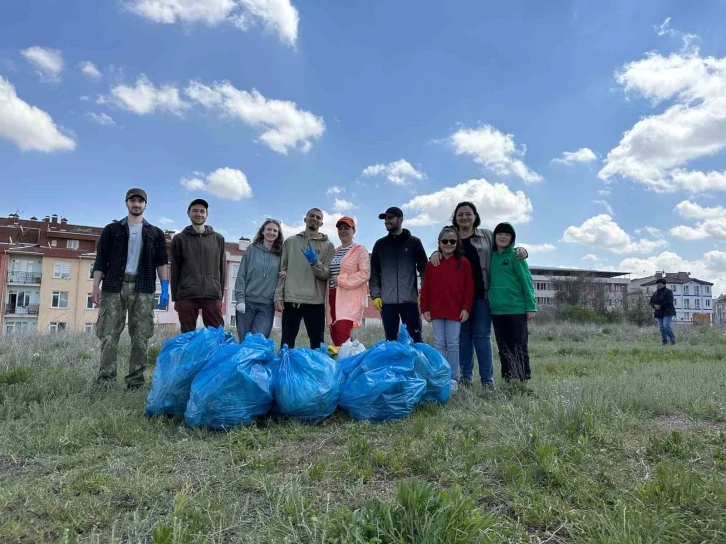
<point x="350" y="270"/>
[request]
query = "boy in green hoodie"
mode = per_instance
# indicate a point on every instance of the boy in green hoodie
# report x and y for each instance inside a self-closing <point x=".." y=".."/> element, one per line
<point x="512" y="303"/>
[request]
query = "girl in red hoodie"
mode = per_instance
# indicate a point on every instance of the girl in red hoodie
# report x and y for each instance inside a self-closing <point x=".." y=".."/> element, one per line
<point x="446" y="297"/>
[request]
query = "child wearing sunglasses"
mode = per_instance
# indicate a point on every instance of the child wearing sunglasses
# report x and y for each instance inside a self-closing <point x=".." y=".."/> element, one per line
<point x="447" y="295"/>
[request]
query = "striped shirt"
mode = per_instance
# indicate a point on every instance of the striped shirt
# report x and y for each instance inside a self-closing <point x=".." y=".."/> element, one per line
<point x="335" y="263"/>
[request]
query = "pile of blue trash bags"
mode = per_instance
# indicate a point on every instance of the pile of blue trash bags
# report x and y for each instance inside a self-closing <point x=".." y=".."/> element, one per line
<point x="216" y="383"/>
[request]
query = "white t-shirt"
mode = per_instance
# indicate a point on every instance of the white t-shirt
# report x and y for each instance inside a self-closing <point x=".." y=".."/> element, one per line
<point x="132" y="259"/>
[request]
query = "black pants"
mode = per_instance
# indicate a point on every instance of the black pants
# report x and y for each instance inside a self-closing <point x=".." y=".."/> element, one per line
<point x="314" y="317"/>
<point x="408" y="313"/>
<point x="512" y="334"/>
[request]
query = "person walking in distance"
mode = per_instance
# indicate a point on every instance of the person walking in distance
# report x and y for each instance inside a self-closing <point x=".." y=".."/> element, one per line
<point x="350" y="270"/>
<point x="256" y="282"/>
<point x="129" y="256"/>
<point x="303" y="285"/>
<point x="395" y="260"/>
<point x="198" y="270"/>
<point x="513" y="304"/>
<point x="447" y="295"/>
<point x="662" y="303"/>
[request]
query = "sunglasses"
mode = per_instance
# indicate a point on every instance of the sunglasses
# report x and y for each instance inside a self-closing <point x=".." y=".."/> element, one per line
<point x="447" y="242"/>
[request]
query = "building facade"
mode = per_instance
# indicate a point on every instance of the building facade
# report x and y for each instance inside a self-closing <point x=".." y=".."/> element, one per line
<point x="719" y="310"/>
<point x="597" y="289"/>
<point x="691" y="296"/>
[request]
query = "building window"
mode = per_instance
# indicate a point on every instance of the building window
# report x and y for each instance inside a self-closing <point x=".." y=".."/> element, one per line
<point x="541" y="286"/>
<point x="89" y="301"/>
<point x="57" y="326"/>
<point x="698" y="303"/>
<point x="72" y="244"/>
<point x="675" y="301"/>
<point x="707" y="290"/>
<point x="708" y="303"/>
<point x="59" y="299"/>
<point x="88" y="327"/>
<point x="90" y="271"/>
<point x="53" y="243"/>
<point x="674" y="288"/>
<point x="686" y="303"/>
<point x="61" y="270"/>
<point x="697" y="290"/>
<point x="685" y="289"/>
<point x="543" y="300"/>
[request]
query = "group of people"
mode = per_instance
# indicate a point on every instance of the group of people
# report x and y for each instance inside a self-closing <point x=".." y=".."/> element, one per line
<point x="475" y="279"/>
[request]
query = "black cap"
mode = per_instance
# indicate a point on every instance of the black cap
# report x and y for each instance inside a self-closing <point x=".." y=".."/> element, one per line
<point x="395" y="212"/>
<point x="198" y="201"/>
<point x="661" y="280"/>
<point x="136" y="192"/>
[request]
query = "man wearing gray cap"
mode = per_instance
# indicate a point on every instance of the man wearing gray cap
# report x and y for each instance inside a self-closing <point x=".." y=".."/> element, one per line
<point x="198" y="266"/>
<point x="129" y="256"/>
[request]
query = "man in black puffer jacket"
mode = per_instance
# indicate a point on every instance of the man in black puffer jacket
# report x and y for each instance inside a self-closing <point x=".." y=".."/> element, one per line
<point x="662" y="303"/>
<point x="395" y="259"/>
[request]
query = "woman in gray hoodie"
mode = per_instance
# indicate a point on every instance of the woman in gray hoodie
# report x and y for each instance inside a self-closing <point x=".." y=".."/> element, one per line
<point x="257" y="280"/>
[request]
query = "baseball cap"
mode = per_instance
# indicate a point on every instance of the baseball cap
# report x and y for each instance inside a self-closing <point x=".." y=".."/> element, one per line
<point x="345" y="220"/>
<point x="198" y="201"/>
<point x="395" y="212"/>
<point x="136" y="192"/>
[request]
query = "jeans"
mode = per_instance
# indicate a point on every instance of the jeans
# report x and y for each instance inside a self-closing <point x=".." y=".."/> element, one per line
<point x="257" y="318"/>
<point x="446" y="342"/>
<point x="476" y="335"/>
<point x="666" y="333"/>
<point x="314" y="317"/>
<point x="408" y="313"/>
<point x="512" y="336"/>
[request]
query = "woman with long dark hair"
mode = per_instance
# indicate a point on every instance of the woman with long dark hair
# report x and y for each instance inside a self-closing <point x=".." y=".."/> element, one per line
<point x="257" y="280"/>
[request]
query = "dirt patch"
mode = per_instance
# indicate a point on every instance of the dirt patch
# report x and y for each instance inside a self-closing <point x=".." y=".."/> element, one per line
<point x="11" y="467"/>
<point x="682" y="423"/>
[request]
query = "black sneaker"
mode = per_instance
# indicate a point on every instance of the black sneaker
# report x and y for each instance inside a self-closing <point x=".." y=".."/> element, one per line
<point x="465" y="382"/>
<point x="135" y="386"/>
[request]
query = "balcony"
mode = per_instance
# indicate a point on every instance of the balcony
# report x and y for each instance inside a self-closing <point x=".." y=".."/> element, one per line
<point x="24" y="277"/>
<point x="29" y="310"/>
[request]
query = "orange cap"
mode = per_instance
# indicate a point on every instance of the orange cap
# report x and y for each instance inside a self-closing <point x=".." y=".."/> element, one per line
<point x="346" y="221"/>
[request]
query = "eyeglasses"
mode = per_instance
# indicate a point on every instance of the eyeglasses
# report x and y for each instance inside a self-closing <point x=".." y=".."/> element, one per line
<point x="448" y="242"/>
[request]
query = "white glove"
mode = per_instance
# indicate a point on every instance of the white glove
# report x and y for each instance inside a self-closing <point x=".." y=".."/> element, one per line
<point x="241" y="307"/>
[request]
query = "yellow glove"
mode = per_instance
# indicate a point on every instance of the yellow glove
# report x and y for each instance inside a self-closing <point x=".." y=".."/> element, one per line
<point x="333" y="350"/>
<point x="378" y="303"/>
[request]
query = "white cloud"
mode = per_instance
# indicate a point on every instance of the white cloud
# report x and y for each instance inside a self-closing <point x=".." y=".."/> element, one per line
<point x="144" y="98"/>
<point x="495" y="203"/>
<point x="328" y="228"/>
<point x="582" y="155"/>
<point x="29" y="127"/>
<point x="493" y="150"/>
<point x="278" y="16"/>
<point x="226" y="183"/>
<point x="334" y="190"/>
<point x="342" y="206"/>
<point x="655" y="150"/>
<point x="602" y="232"/>
<point x="711" y="268"/>
<point x="101" y="118"/>
<point x="165" y="221"/>
<point x="605" y="204"/>
<point x="89" y="70"/>
<point x="711" y="222"/>
<point x="399" y="172"/>
<point x="283" y="125"/>
<point x="652" y="231"/>
<point x="665" y="28"/>
<point x="537" y="248"/>
<point x="591" y="257"/>
<point x="48" y="62"/>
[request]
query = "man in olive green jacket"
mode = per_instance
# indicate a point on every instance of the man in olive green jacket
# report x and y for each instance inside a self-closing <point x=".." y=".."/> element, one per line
<point x="300" y="294"/>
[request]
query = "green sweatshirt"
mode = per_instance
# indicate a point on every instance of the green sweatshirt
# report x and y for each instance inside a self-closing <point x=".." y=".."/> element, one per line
<point x="305" y="283"/>
<point x="510" y="290"/>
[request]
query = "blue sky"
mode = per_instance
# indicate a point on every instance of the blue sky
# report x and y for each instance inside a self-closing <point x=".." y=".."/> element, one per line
<point x="598" y="130"/>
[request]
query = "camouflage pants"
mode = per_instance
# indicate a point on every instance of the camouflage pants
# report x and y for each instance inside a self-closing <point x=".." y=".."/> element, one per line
<point x="110" y="325"/>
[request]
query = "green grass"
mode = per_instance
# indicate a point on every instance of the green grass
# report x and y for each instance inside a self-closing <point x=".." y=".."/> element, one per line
<point x="620" y="440"/>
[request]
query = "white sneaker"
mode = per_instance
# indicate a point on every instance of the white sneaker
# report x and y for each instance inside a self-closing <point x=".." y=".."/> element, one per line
<point x="454" y="385"/>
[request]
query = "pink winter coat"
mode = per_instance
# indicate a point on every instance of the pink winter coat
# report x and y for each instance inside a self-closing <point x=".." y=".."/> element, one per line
<point x="350" y="298"/>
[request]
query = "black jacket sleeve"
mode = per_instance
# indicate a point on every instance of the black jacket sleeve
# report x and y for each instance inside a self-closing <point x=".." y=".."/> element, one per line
<point x="421" y="259"/>
<point x="375" y="281"/>
<point x="103" y="250"/>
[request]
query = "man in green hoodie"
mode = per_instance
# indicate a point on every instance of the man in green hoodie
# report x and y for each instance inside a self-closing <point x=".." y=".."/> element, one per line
<point x="512" y="303"/>
<point x="300" y="294"/>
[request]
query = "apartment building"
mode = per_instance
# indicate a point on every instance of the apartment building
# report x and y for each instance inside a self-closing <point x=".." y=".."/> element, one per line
<point x="719" y="310"/>
<point x="598" y="289"/>
<point x="691" y="296"/>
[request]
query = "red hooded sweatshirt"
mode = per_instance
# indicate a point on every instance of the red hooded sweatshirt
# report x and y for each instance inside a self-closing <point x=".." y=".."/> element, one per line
<point x="447" y="289"/>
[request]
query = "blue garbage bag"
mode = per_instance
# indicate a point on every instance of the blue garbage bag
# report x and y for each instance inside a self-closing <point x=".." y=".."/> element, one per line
<point x="307" y="383"/>
<point x="179" y="361"/>
<point x="383" y="385"/>
<point x="235" y="387"/>
<point x="432" y="367"/>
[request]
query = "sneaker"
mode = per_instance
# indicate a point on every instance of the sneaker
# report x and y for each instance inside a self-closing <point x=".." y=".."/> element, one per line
<point x="466" y="382"/>
<point x="489" y="386"/>
<point x="454" y="385"/>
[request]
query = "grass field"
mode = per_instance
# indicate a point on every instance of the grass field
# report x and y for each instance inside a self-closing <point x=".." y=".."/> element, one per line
<point x="621" y="441"/>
